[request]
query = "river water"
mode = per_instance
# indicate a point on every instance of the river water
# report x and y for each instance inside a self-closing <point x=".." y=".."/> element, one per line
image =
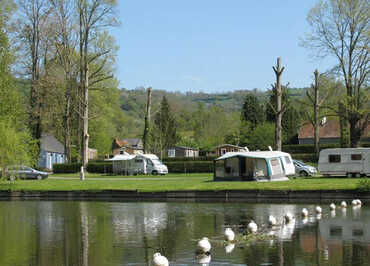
<point x="129" y="233"/>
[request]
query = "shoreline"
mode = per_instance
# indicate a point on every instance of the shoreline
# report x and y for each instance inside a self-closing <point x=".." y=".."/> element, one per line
<point x="192" y="195"/>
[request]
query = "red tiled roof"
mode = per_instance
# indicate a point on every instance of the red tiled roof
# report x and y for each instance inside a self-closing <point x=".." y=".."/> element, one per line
<point x="330" y="129"/>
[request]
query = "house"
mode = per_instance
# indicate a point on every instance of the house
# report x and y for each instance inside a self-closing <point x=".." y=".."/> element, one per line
<point x="224" y="148"/>
<point x="181" y="151"/>
<point x="329" y="132"/>
<point x="51" y="152"/>
<point x="92" y="154"/>
<point x="130" y="146"/>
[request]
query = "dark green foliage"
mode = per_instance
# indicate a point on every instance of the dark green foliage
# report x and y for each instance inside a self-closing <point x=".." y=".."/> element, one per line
<point x="306" y="148"/>
<point x="305" y="157"/>
<point x="252" y="111"/>
<point x="92" y="167"/>
<point x="364" y="185"/>
<point x="190" y="167"/>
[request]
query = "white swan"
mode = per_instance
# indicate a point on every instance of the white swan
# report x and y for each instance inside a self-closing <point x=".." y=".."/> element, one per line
<point x="272" y="220"/>
<point x="332" y="206"/>
<point x="203" y="245"/>
<point x="288" y="217"/>
<point x="159" y="260"/>
<point x="252" y="227"/>
<point x="343" y="204"/>
<point x="318" y="210"/>
<point x="203" y="259"/>
<point x="304" y="212"/>
<point x="229" y="248"/>
<point x="354" y="202"/>
<point x="229" y="234"/>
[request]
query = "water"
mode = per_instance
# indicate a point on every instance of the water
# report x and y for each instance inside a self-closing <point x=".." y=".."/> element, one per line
<point x="119" y="233"/>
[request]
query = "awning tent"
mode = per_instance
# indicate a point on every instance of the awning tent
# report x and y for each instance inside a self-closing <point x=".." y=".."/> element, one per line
<point x="122" y="163"/>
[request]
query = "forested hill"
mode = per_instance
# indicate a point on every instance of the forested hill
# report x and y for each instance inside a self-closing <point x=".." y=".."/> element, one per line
<point x="133" y="102"/>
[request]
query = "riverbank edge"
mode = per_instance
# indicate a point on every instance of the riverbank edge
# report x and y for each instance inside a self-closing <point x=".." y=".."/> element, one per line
<point x="192" y="195"/>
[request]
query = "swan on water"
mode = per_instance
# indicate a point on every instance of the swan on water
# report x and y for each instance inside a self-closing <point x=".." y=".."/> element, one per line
<point x="318" y="210"/>
<point x="252" y="227"/>
<point x="288" y="217"/>
<point x="159" y="260"/>
<point x="343" y="204"/>
<point x="304" y="212"/>
<point x="203" y="245"/>
<point x="332" y="206"/>
<point x="229" y="234"/>
<point x="272" y="220"/>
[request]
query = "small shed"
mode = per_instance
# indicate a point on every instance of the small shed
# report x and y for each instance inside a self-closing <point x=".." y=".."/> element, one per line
<point x="51" y="152"/>
<point x="181" y="151"/>
<point x="249" y="166"/>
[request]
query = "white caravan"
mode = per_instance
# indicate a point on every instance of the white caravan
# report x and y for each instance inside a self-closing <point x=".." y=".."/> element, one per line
<point x="138" y="164"/>
<point x="345" y="161"/>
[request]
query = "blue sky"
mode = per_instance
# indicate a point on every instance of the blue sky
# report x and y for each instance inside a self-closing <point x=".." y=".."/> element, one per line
<point x="213" y="45"/>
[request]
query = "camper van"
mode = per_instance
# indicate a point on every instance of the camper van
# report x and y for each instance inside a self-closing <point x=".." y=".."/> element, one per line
<point x="249" y="166"/>
<point x="345" y="161"/>
<point x="138" y="164"/>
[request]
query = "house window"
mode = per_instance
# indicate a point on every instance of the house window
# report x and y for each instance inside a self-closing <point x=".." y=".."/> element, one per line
<point x="171" y="153"/>
<point x="356" y="157"/>
<point x="223" y="151"/>
<point x="334" y="158"/>
<point x="121" y="152"/>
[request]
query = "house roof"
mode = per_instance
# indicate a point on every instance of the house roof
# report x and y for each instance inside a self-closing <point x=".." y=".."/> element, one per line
<point x="185" y="148"/>
<point x="331" y="129"/>
<point x="229" y="145"/>
<point x="51" y="144"/>
<point x="132" y="142"/>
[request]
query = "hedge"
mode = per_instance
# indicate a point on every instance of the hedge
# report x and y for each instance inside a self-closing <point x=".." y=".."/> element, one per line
<point x="183" y="159"/>
<point x="310" y="148"/>
<point x="190" y="167"/>
<point x="305" y="157"/>
<point x="93" y="167"/>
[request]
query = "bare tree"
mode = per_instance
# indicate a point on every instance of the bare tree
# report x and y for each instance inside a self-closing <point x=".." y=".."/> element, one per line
<point x="147" y="121"/>
<point x="278" y="109"/>
<point x="340" y="28"/>
<point x="94" y="15"/>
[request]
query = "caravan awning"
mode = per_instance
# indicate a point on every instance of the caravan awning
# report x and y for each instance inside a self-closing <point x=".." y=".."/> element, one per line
<point x="122" y="157"/>
<point x="250" y="154"/>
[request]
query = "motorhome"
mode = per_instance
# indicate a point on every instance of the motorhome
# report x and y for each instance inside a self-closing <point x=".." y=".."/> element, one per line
<point x="345" y="161"/>
<point x="249" y="166"/>
<point x="138" y="164"/>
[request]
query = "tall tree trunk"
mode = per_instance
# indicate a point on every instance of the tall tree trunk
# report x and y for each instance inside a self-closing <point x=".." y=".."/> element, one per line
<point x="147" y="121"/>
<point x="316" y="113"/>
<point x="85" y="117"/>
<point x="278" y="98"/>
<point x="344" y="130"/>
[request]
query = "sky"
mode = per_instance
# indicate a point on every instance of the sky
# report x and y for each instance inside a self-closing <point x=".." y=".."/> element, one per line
<point x="213" y="45"/>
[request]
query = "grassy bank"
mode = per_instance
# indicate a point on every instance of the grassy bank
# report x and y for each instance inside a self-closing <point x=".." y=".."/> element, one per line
<point x="172" y="182"/>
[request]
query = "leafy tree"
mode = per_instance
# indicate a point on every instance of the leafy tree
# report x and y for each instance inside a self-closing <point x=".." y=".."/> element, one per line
<point x="340" y="29"/>
<point x="164" y="133"/>
<point x="261" y="137"/>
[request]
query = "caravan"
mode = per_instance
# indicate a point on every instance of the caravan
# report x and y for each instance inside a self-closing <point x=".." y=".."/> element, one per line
<point x="138" y="164"/>
<point x="345" y="161"/>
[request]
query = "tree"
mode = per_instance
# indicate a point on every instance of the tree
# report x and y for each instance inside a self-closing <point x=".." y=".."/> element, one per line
<point x="252" y="111"/>
<point x="164" y="134"/>
<point x="340" y="29"/>
<point x="147" y="121"/>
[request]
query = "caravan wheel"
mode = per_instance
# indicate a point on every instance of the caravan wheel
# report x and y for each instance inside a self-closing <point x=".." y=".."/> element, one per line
<point x="154" y="172"/>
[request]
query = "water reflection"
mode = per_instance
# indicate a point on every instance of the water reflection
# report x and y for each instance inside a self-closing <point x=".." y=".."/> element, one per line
<point x="117" y="233"/>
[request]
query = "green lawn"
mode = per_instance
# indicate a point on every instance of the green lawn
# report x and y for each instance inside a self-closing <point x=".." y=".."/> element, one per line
<point x="172" y="182"/>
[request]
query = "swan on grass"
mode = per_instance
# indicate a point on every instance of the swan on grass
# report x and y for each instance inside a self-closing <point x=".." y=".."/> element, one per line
<point x="203" y="245"/>
<point x="159" y="260"/>
<point x="229" y="234"/>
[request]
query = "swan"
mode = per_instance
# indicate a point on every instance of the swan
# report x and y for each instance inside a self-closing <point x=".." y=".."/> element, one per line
<point x="252" y="227"/>
<point x="203" y="259"/>
<point x="332" y="206"/>
<point x="229" y="234"/>
<point x="343" y="204"/>
<point x="159" y="260"/>
<point x="229" y="248"/>
<point x="318" y="210"/>
<point x="272" y="220"/>
<point x="288" y="217"/>
<point x="203" y="245"/>
<point x="354" y="202"/>
<point x="304" y="212"/>
<point x="358" y="202"/>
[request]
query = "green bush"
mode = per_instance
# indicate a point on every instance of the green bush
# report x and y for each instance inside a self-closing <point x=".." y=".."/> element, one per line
<point x="65" y="168"/>
<point x="100" y="167"/>
<point x="190" y="167"/>
<point x="310" y="148"/>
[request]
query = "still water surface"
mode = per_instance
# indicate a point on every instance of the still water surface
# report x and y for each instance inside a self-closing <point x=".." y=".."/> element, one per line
<point x="119" y="233"/>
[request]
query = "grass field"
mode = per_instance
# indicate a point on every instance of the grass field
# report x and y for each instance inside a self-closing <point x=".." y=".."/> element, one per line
<point x="172" y="182"/>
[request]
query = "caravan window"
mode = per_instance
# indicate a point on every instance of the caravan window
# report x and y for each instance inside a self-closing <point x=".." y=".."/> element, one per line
<point x="356" y="157"/>
<point x="287" y="160"/>
<point x="334" y="158"/>
<point x="138" y="160"/>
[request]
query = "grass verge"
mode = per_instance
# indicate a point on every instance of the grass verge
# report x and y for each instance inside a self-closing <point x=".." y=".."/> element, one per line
<point x="172" y="182"/>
